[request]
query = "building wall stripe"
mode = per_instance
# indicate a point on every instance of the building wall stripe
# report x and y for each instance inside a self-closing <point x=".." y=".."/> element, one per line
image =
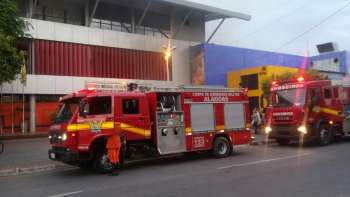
<point x="71" y="59"/>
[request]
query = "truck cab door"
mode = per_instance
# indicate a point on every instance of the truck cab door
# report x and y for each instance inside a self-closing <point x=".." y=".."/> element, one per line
<point x="133" y="114"/>
<point x="95" y="114"/>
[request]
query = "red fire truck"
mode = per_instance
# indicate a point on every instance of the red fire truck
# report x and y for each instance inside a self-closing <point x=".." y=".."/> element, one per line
<point x="314" y="111"/>
<point x="155" y="122"/>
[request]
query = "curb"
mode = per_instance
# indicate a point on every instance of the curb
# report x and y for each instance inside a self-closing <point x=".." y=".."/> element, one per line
<point x="28" y="170"/>
<point x="21" y="136"/>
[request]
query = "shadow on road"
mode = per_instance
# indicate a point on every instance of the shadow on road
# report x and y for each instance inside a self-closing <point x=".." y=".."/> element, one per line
<point x="171" y="160"/>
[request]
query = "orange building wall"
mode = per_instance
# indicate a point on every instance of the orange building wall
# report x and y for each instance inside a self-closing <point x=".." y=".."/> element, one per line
<point x="43" y="116"/>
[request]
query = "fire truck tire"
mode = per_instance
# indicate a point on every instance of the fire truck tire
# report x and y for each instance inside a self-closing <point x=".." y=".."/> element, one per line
<point x="282" y="142"/>
<point x="101" y="162"/>
<point x="221" y="147"/>
<point x="324" y="135"/>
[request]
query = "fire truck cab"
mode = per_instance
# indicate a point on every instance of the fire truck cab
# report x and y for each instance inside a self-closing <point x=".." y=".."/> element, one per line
<point x="316" y="111"/>
<point x="154" y="123"/>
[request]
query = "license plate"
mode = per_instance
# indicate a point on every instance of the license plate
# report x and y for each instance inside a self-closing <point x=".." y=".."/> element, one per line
<point x="52" y="155"/>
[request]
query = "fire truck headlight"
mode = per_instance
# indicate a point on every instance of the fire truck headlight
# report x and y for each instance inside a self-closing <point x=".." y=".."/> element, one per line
<point x="64" y="137"/>
<point x="268" y="129"/>
<point x="50" y="136"/>
<point x="302" y="129"/>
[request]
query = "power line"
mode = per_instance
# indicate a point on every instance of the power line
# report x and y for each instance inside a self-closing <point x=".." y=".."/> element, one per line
<point x="266" y="25"/>
<point x="315" y="26"/>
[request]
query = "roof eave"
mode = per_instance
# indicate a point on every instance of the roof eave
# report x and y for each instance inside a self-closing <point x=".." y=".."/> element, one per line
<point x="213" y="12"/>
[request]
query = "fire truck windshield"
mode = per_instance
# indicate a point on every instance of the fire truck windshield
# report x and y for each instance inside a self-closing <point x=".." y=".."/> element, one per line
<point x="288" y="97"/>
<point x="66" y="112"/>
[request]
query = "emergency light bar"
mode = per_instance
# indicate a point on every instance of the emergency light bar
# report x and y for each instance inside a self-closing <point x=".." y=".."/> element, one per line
<point x="119" y="87"/>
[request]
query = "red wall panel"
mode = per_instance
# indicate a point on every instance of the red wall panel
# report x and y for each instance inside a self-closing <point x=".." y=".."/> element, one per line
<point x="70" y="59"/>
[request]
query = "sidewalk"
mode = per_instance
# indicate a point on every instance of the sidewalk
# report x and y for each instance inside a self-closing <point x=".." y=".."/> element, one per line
<point x="23" y="156"/>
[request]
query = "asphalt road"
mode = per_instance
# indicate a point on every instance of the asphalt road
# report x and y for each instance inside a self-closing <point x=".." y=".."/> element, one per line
<point x="255" y="171"/>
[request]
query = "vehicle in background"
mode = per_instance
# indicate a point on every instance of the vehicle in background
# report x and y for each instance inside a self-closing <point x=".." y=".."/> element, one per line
<point x="316" y="111"/>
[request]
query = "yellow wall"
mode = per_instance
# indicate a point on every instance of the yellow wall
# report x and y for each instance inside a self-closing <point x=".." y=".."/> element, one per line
<point x="234" y="77"/>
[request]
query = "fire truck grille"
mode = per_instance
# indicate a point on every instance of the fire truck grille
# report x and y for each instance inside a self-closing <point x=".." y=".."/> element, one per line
<point x="286" y="130"/>
<point x="55" y="138"/>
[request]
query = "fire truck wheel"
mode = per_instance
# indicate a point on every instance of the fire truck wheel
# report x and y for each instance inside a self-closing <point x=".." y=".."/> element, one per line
<point x="101" y="163"/>
<point x="221" y="147"/>
<point x="282" y="142"/>
<point x="324" y="135"/>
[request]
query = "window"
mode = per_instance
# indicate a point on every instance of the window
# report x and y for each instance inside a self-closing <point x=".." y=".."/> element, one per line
<point x="100" y="105"/>
<point x="327" y="93"/>
<point x="250" y="81"/>
<point x="131" y="106"/>
<point x="314" y="97"/>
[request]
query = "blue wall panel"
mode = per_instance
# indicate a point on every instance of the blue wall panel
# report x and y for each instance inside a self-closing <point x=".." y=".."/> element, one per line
<point x="221" y="59"/>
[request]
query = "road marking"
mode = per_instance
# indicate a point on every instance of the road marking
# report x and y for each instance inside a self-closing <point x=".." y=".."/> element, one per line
<point x="262" y="161"/>
<point x="66" y="194"/>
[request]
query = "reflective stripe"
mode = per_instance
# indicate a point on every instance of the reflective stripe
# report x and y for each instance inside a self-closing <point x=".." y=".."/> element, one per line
<point x="188" y="130"/>
<point x="220" y="127"/>
<point x="331" y="111"/>
<point x="107" y="125"/>
<point x="110" y="125"/>
<point x="136" y="130"/>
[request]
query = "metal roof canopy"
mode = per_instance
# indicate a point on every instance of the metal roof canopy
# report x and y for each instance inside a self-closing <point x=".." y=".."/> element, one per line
<point x="209" y="12"/>
<point x="213" y="13"/>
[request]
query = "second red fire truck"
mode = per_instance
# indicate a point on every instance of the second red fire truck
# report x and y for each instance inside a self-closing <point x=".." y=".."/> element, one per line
<point x="316" y="111"/>
<point x="155" y="122"/>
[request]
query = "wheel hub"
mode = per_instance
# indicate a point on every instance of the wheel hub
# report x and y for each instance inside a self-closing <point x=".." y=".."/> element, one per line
<point x="222" y="148"/>
<point x="105" y="162"/>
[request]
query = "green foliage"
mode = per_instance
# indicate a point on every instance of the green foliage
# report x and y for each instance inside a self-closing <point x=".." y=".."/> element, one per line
<point x="11" y="29"/>
<point x="310" y="75"/>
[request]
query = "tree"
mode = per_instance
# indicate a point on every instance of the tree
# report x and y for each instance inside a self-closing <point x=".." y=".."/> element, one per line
<point x="310" y="74"/>
<point x="11" y="29"/>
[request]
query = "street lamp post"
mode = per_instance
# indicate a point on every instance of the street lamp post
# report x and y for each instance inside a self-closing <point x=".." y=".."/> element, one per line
<point x="167" y="55"/>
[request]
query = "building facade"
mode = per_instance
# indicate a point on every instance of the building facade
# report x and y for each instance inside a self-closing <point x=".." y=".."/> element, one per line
<point x="210" y="62"/>
<point x="77" y="41"/>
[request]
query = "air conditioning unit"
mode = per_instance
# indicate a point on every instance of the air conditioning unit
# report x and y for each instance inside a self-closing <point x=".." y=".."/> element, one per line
<point x="327" y="47"/>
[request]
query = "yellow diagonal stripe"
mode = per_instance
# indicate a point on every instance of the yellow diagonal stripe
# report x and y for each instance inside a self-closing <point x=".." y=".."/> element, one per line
<point x="135" y="130"/>
<point x="330" y="111"/>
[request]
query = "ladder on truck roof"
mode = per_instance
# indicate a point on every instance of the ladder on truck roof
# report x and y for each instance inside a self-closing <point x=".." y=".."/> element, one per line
<point x="120" y="87"/>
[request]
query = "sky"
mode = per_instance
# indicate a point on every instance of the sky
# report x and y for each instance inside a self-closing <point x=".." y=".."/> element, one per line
<point x="287" y="26"/>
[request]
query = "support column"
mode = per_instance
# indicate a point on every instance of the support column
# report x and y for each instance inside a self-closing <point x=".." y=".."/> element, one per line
<point x="133" y="27"/>
<point x="86" y="14"/>
<point x="32" y="105"/>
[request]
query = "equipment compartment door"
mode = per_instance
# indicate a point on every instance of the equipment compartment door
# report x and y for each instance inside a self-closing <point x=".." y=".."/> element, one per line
<point x="234" y="116"/>
<point x="170" y="133"/>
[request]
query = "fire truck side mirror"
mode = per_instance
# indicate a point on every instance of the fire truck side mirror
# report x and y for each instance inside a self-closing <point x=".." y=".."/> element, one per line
<point x="82" y="109"/>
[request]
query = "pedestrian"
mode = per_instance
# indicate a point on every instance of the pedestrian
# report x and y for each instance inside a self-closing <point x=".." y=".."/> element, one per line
<point x="114" y="147"/>
<point x="256" y="120"/>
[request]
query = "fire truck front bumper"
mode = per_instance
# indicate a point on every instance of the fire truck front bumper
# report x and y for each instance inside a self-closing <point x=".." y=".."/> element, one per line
<point x="64" y="155"/>
<point x="291" y="132"/>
